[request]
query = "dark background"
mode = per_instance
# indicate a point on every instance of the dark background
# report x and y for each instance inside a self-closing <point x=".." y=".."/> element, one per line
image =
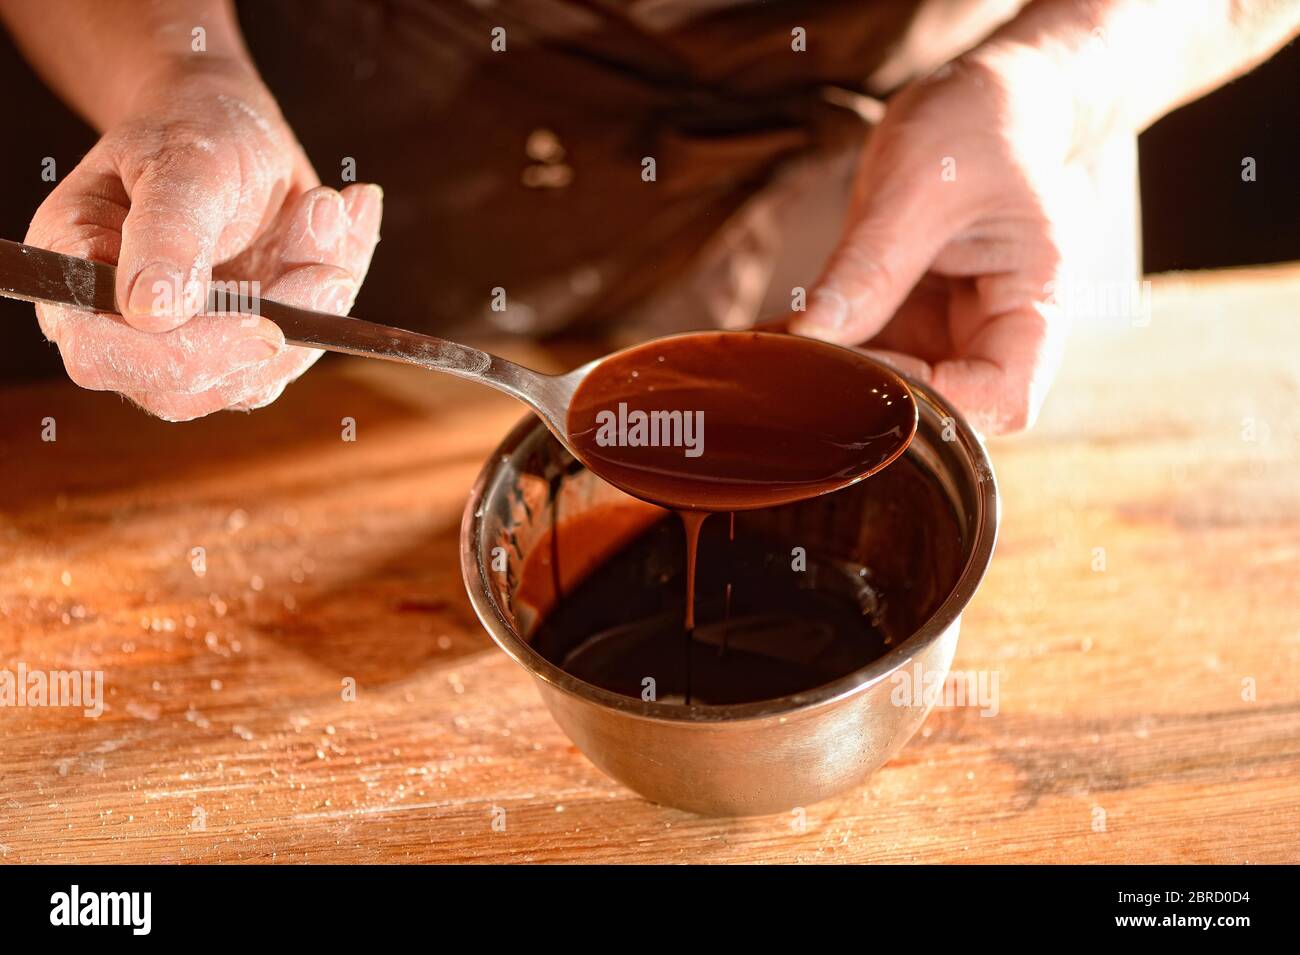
<point x="1197" y="213"/>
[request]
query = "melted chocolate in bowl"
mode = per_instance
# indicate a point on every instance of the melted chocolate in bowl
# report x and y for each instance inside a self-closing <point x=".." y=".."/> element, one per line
<point x="802" y="595"/>
<point x="730" y="421"/>
<point x="747" y="608"/>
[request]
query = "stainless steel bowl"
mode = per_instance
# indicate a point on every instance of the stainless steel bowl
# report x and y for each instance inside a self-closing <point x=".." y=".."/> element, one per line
<point x="757" y="757"/>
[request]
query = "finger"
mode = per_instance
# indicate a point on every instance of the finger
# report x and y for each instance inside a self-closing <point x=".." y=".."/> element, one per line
<point x="172" y="406"/>
<point x="338" y="261"/>
<point x="910" y="365"/>
<point x="1001" y="379"/>
<point x="920" y="327"/>
<point x="82" y="216"/>
<point x="264" y="393"/>
<point x="104" y="353"/>
<point x="313" y="229"/>
<point x="322" y="288"/>
<point x="901" y="223"/>
<point x="182" y="199"/>
<point x="332" y="228"/>
<point x="365" y="208"/>
<point x="321" y="226"/>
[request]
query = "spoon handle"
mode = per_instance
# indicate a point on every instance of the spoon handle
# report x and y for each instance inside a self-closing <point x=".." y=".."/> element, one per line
<point x="38" y="275"/>
<point x="355" y="336"/>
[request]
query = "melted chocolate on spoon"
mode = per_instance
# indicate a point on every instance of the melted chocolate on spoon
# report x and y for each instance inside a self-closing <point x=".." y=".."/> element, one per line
<point x="783" y="418"/>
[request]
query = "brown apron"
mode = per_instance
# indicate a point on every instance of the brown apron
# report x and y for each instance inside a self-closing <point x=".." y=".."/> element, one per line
<point x="524" y="169"/>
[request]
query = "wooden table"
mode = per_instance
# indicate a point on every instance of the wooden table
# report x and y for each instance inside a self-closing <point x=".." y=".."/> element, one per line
<point x="1145" y="581"/>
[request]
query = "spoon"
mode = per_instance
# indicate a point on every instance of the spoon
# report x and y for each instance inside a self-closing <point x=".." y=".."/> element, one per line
<point x="702" y="421"/>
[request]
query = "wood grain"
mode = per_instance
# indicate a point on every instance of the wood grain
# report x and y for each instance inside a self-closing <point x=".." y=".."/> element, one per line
<point x="1121" y="735"/>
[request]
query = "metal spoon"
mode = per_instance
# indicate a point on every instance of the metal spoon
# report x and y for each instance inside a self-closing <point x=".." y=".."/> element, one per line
<point x="37" y="275"/>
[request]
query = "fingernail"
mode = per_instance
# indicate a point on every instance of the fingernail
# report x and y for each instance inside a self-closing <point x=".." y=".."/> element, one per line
<point x="159" y="290"/>
<point x="327" y="220"/>
<point x="364" y="205"/>
<point x="830" y="310"/>
<point x="335" y="298"/>
<point x="259" y="347"/>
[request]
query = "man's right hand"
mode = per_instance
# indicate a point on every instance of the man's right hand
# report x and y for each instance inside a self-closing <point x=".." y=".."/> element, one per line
<point x="202" y="177"/>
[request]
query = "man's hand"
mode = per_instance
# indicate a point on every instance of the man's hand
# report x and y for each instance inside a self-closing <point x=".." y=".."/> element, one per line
<point x="957" y="237"/>
<point x="979" y="206"/>
<point x="202" y="177"/>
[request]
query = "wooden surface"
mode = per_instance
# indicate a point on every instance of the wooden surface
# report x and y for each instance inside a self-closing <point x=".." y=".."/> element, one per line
<point x="1122" y="732"/>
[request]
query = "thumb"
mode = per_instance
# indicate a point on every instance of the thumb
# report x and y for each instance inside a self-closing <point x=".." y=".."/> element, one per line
<point x="895" y="231"/>
<point x="180" y="203"/>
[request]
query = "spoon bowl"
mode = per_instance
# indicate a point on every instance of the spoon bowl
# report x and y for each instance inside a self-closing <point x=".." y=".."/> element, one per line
<point x="733" y="421"/>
